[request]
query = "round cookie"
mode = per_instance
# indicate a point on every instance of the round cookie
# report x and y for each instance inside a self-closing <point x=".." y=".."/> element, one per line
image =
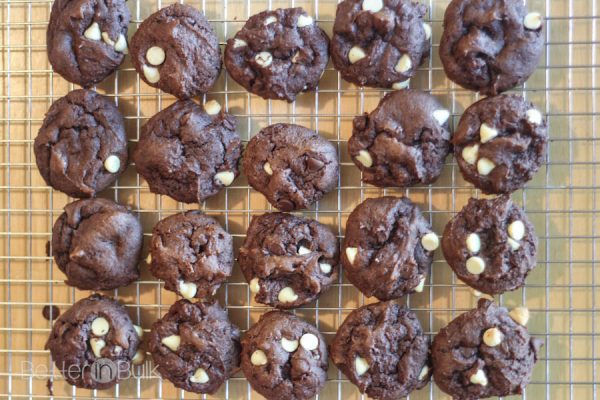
<point x="379" y="43"/>
<point x="176" y="50"/>
<point x="278" y="54"/>
<point x="491" y="245"/>
<point x="191" y="253"/>
<point x="189" y="152"/>
<point x="97" y="244"/>
<point x="382" y="349"/>
<point x="388" y="248"/>
<point x="195" y="346"/>
<point x="287" y="260"/>
<point x="81" y="147"/>
<point x="284" y="357"/>
<point x="403" y="142"/>
<point x="94" y="343"/>
<point x="490" y="46"/>
<point x="291" y="165"/>
<point x="486" y="352"/>
<point x="500" y="143"/>
<point x="87" y="39"/>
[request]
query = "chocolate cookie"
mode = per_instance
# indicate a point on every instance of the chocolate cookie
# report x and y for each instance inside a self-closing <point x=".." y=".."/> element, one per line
<point x="491" y="245"/>
<point x="485" y="352"/>
<point x="87" y="39"/>
<point x="291" y="165"/>
<point x="284" y="357"/>
<point x="176" y="50"/>
<point x="404" y="141"/>
<point x="191" y="253"/>
<point x="379" y="43"/>
<point x="94" y="343"/>
<point x="500" y="143"/>
<point x="278" y="54"/>
<point x="388" y="248"/>
<point x="81" y="147"/>
<point x="288" y="260"/>
<point x="381" y="348"/>
<point x="490" y="46"/>
<point x="97" y="244"/>
<point x="189" y="152"/>
<point x="195" y="346"/>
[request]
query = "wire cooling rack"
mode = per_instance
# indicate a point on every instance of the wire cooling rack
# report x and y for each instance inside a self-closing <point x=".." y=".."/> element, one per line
<point x="561" y="200"/>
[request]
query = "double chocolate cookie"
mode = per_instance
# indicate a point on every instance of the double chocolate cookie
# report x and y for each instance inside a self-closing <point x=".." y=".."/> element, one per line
<point x="176" y="50"/>
<point x="379" y="43"/>
<point x="284" y="357"/>
<point x="486" y="352"/>
<point x="500" y="143"/>
<point x="288" y="261"/>
<point x="87" y="39"/>
<point x="189" y="152"/>
<point x="94" y="343"/>
<point x="195" y="346"/>
<point x="81" y="147"/>
<point x="191" y="253"/>
<point x="97" y="244"/>
<point x="278" y="54"/>
<point x="404" y="141"/>
<point x="382" y="349"/>
<point x="291" y="165"/>
<point x="491" y="245"/>
<point x="490" y="46"/>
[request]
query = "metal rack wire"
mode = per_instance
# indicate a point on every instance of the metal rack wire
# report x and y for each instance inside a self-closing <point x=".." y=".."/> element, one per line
<point x="561" y="201"/>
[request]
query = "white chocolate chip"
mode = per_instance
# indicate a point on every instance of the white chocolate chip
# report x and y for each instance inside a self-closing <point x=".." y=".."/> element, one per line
<point x="520" y="315"/>
<point x="289" y="345"/>
<point x="309" y="342"/>
<point x="212" y="107"/>
<point x="516" y="230"/>
<point x="514" y="245"/>
<point x="93" y="32"/>
<point x="139" y="331"/>
<point x="304" y="20"/>
<point x="534" y="116"/>
<point x="419" y="288"/>
<point x="475" y="265"/>
<point x="118" y="349"/>
<point x="267" y="168"/>
<point x="372" y="5"/>
<point x="360" y="365"/>
<point x="427" y="29"/>
<point x="287" y="295"/>
<point x="533" y="21"/>
<point x="149" y="258"/>
<point x="187" y="289"/>
<point x="155" y="55"/>
<point x="112" y="164"/>
<point x="254" y="285"/>
<point x="423" y="373"/>
<point x="441" y="116"/>
<point x="487" y="133"/>
<point x="351" y="253"/>
<point x="225" y="177"/>
<point x="356" y="54"/>
<point x="492" y="337"/>
<point x="237" y="43"/>
<point x="485" y="166"/>
<point x="264" y="59"/>
<point x="470" y="153"/>
<point x="325" y="268"/>
<point x="107" y="39"/>
<point x="295" y="57"/>
<point x="270" y="19"/>
<point x="303" y="250"/>
<point x="151" y="74"/>
<point x="479" y="378"/>
<point x="172" y="342"/>
<point x="200" y="376"/>
<point x="138" y="358"/>
<point x="97" y="345"/>
<point x="473" y="243"/>
<point x="100" y="326"/>
<point x="401" y="85"/>
<point x="477" y="293"/>
<point x="430" y="241"/>
<point x="258" y="358"/>
<point x="404" y="64"/>
<point x="364" y="157"/>
<point x="121" y="44"/>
